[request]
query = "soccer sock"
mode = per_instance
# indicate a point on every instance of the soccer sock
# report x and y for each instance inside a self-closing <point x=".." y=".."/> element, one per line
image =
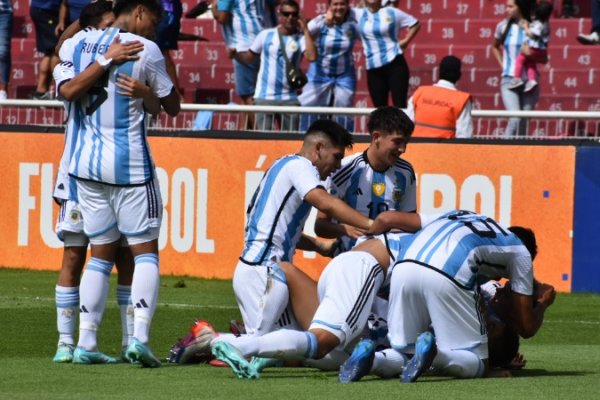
<point x="67" y="304"/>
<point x="459" y="363"/>
<point x="144" y="294"/>
<point x="287" y="344"/>
<point x="388" y="363"/>
<point x="126" y="311"/>
<point x="331" y="361"/>
<point x="93" y="291"/>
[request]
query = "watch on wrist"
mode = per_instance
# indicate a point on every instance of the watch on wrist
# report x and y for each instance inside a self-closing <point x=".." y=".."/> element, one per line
<point x="104" y="62"/>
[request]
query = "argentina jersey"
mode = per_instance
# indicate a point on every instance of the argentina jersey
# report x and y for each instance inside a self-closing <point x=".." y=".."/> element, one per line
<point x="371" y="192"/>
<point x="334" y="45"/>
<point x="272" y="83"/>
<point x="512" y="46"/>
<point x="463" y="244"/>
<point x="111" y="142"/>
<point x="65" y="187"/>
<point x="379" y="33"/>
<point x="277" y="212"/>
<point x="244" y="24"/>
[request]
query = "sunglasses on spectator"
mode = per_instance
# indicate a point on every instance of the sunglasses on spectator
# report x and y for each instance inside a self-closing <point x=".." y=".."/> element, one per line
<point x="288" y="14"/>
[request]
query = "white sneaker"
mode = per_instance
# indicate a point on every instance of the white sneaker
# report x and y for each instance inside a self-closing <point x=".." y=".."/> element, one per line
<point x="530" y="85"/>
<point x="3" y="95"/>
<point x="592" y="38"/>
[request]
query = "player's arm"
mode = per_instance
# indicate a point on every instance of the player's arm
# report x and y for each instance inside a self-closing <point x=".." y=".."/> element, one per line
<point x="117" y="52"/>
<point x="528" y="315"/>
<point x="219" y="10"/>
<point x="131" y="87"/>
<point x="336" y="208"/>
<point x="309" y="243"/>
<point x="326" y="228"/>
<point x="388" y="220"/>
<point x="67" y="33"/>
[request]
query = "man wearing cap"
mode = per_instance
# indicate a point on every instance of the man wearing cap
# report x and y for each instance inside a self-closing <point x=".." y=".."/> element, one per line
<point x="441" y="110"/>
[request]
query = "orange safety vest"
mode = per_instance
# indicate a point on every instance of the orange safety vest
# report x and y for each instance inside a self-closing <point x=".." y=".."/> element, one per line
<point x="436" y="111"/>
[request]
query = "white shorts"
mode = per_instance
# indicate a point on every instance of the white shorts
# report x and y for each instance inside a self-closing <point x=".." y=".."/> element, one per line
<point x="69" y="219"/>
<point x="109" y="211"/>
<point x="262" y="296"/>
<point x="346" y="289"/>
<point x="421" y="297"/>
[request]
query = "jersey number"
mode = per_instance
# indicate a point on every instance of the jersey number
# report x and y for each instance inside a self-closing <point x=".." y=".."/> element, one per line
<point x="376" y="208"/>
<point x="490" y="227"/>
<point x="98" y="90"/>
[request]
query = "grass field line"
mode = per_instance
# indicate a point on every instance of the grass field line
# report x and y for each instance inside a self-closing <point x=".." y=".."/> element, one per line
<point x="114" y="302"/>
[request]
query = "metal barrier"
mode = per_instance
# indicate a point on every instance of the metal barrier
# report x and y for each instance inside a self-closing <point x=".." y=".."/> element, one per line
<point x="488" y="124"/>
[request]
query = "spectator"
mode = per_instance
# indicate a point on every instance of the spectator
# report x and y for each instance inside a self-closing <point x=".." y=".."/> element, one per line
<point x="387" y="70"/>
<point x="538" y="36"/>
<point x="442" y="111"/>
<point x="594" y="36"/>
<point x="6" y="18"/>
<point x="48" y="27"/>
<point x="167" y="33"/>
<point x="74" y="8"/>
<point x="272" y="87"/>
<point x="509" y="37"/>
<point x="242" y="21"/>
<point x="331" y="78"/>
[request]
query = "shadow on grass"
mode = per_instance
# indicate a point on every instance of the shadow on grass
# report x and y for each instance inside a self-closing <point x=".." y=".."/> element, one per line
<point x="525" y="373"/>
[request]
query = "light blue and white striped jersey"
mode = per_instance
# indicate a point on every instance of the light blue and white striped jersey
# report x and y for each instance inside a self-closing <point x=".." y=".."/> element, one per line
<point x="111" y="141"/>
<point x="245" y="22"/>
<point x="277" y="212"/>
<point x="334" y="45"/>
<point x="511" y="46"/>
<point x="462" y="244"/>
<point x="272" y="83"/>
<point x="379" y="33"/>
<point x="371" y="192"/>
<point x="65" y="187"/>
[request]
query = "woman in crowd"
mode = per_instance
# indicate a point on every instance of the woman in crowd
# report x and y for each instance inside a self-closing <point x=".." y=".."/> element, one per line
<point x="387" y="70"/>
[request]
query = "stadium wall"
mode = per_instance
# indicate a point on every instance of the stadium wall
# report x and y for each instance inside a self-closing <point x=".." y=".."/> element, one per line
<point x="207" y="182"/>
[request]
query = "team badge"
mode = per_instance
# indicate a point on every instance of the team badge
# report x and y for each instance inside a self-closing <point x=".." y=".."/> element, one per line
<point x="397" y="194"/>
<point x="388" y="20"/>
<point x="75" y="216"/>
<point x="378" y="189"/>
<point x="293" y="46"/>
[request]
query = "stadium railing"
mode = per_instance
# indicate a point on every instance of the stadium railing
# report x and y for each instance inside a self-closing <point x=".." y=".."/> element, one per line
<point x="488" y="124"/>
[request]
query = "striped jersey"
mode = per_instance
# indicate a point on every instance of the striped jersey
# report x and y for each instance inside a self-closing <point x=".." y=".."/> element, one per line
<point x="334" y="45"/>
<point x="111" y="140"/>
<point x="511" y="46"/>
<point x="277" y="212"/>
<point x="272" y="83"/>
<point x="65" y="187"/>
<point x="379" y="32"/>
<point x="245" y="22"/>
<point x="462" y="244"/>
<point x="371" y="192"/>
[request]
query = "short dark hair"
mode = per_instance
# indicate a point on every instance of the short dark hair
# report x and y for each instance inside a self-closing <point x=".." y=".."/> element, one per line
<point x="543" y="11"/>
<point x="450" y="69"/>
<point x="503" y="349"/>
<point x="390" y="119"/>
<point x="527" y="236"/>
<point x="290" y="3"/>
<point x="338" y="135"/>
<point x="91" y="15"/>
<point x="126" y="6"/>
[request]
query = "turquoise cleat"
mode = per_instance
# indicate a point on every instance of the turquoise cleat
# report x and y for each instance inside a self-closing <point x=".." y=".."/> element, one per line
<point x="64" y="353"/>
<point x="137" y="351"/>
<point x="233" y="357"/>
<point x="360" y="362"/>
<point x="82" y="356"/>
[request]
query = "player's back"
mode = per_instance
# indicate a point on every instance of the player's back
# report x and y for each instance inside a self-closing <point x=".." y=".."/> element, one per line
<point x="111" y="141"/>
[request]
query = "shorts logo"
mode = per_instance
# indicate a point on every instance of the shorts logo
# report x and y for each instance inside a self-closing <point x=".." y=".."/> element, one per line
<point x="378" y="189"/>
<point x="75" y="216"/>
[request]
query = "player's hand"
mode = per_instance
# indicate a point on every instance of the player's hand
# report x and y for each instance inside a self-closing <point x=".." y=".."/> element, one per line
<point x="328" y="249"/>
<point x="329" y="17"/>
<point x="518" y="362"/>
<point x="131" y="87"/>
<point x="123" y="52"/>
<point x="60" y="28"/>
<point x="352" y="231"/>
<point x="545" y="294"/>
<point x="381" y="224"/>
<point x="302" y="24"/>
<point x="231" y="53"/>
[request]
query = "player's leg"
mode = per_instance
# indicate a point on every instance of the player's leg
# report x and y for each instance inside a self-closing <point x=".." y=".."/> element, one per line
<point x="303" y="295"/>
<point x="125" y="266"/>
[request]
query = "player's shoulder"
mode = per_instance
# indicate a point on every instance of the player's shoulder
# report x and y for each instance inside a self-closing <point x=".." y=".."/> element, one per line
<point x="404" y="166"/>
<point x="349" y="165"/>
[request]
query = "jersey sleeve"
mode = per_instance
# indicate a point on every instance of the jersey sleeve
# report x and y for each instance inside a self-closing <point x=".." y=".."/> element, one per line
<point x="427" y="218"/>
<point x="63" y="72"/>
<point x="66" y="50"/>
<point x="521" y="275"/>
<point x="257" y="46"/>
<point x="304" y="177"/>
<point x="156" y="76"/>
<point x="500" y="29"/>
<point x="315" y="25"/>
<point x="405" y="20"/>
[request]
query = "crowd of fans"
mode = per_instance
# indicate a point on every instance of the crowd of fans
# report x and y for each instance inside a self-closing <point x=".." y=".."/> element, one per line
<point x="267" y="39"/>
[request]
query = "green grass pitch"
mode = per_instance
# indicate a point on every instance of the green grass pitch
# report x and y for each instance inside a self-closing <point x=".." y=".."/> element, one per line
<point x="563" y="360"/>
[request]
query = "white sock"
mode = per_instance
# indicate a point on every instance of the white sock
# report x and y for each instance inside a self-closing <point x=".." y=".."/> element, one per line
<point x="287" y="344"/>
<point x="93" y="291"/>
<point x="126" y="312"/>
<point x="144" y="294"/>
<point x="459" y="363"/>
<point x="331" y="361"/>
<point x="388" y="363"/>
<point x="67" y="305"/>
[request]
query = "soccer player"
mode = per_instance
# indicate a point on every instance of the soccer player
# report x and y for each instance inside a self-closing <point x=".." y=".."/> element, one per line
<point x="276" y="216"/>
<point x="435" y="284"/>
<point x="70" y="224"/>
<point x="375" y="180"/>
<point x="116" y="180"/>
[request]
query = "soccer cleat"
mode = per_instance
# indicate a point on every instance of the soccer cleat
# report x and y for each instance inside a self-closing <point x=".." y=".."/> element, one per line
<point x="515" y="83"/>
<point x="64" y="353"/>
<point x="260" y="363"/>
<point x="237" y="327"/>
<point x="425" y="351"/>
<point x="529" y="86"/>
<point x="137" y="351"/>
<point x="125" y="358"/>
<point x="360" y="362"/>
<point x="592" y="38"/>
<point x="233" y="357"/>
<point x="82" y="356"/>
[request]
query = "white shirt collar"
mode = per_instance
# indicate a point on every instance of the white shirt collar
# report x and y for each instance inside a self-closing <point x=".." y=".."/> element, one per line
<point x="445" y="84"/>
